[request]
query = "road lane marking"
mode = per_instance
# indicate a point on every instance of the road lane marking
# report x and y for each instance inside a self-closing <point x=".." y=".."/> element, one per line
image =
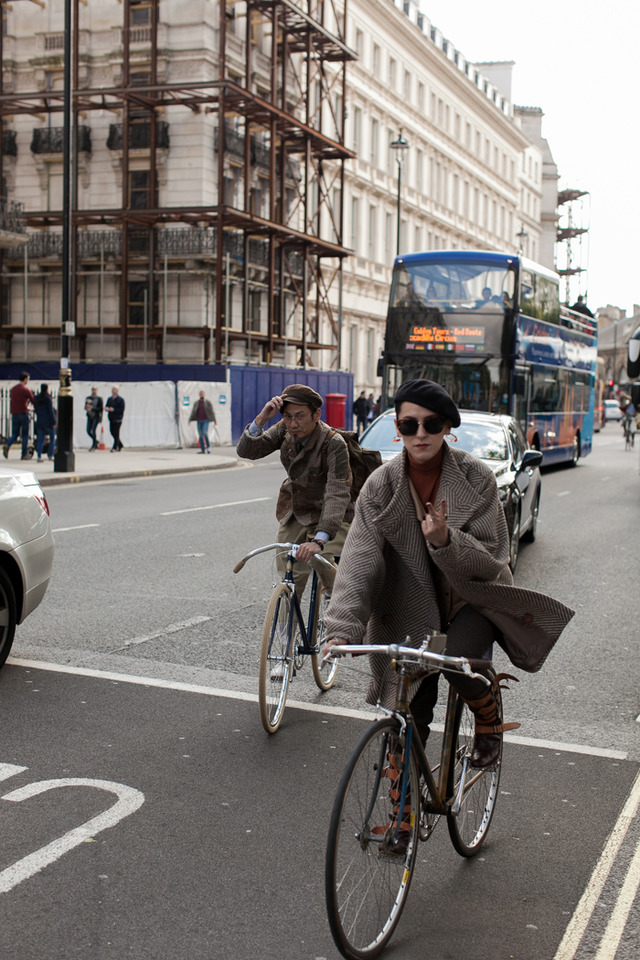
<point x="214" y="506"/>
<point x="589" y="900"/>
<point x="563" y="493"/>
<point x="616" y="926"/>
<point x="295" y="704"/>
<point x="81" y="526"/>
<point x="10" y="770"/>
<point x="129" y="800"/>
<point x="172" y="628"/>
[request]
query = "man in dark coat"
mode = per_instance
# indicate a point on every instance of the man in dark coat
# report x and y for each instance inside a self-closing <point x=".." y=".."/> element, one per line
<point x="115" y="412"/>
<point x="45" y="422"/>
<point x="94" y="409"/>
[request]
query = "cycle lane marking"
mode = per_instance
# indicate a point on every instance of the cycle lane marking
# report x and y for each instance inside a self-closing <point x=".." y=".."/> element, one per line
<point x="214" y="506"/>
<point x="81" y="526"/>
<point x="582" y="915"/>
<point x="129" y="800"/>
<point x="172" y="628"/>
<point x="352" y="712"/>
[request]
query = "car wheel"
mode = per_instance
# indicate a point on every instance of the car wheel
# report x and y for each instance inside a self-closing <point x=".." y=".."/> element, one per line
<point x="515" y="540"/>
<point x="8" y="615"/>
<point x="531" y="533"/>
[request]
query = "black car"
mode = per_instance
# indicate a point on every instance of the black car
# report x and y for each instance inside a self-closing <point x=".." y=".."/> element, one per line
<point x="500" y="442"/>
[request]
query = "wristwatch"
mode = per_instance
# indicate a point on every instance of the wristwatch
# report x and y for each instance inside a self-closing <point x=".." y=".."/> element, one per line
<point x="319" y="542"/>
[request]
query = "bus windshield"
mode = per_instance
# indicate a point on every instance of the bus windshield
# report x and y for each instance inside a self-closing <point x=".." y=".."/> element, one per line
<point x="458" y="306"/>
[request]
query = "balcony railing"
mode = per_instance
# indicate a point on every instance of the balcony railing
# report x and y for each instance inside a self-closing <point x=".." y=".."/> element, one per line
<point x="9" y="143"/>
<point x="139" y="135"/>
<point x="12" y="216"/>
<point x="51" y="140"/>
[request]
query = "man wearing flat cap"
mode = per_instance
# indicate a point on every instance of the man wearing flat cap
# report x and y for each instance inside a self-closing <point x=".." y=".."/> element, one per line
<point x="314" y="505"/>
<point x="428" y="551"/>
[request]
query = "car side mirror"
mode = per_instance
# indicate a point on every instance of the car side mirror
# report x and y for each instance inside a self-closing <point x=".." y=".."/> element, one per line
<point x="531" y="459"/>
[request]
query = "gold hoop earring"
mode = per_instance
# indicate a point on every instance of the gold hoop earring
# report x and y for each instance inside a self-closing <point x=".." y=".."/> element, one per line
<point x="451" y="437"/>
<point x="397" y="439"/>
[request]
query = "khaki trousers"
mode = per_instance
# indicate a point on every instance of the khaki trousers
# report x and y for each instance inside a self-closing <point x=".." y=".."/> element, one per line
<point x="294" y="532"/>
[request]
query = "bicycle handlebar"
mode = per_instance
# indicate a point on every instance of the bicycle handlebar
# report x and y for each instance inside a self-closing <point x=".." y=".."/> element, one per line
<point x="289" y="547"/>
<point x="421" y="654"/>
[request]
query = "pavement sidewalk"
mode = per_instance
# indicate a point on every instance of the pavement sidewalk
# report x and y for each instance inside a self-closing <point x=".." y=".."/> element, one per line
<point x="140" y="462"/>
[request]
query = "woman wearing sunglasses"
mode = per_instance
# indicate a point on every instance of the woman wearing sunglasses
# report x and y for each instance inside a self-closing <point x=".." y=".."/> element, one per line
<point x="428" y="550"/>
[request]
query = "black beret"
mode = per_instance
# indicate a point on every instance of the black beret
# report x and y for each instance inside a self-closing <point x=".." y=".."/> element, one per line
<point x="300" y="393"/>
<point x="430" y="395"/>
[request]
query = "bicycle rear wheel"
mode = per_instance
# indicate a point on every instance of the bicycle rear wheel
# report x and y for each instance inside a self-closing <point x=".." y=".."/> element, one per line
<point x="323" y="673"/>
<point x="367" y="874"/>
<point x="468" y="827"/>
<point x="279" y="640"/>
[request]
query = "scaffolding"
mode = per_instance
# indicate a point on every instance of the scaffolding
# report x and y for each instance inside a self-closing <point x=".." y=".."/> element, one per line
<point x="268" y="248"/>
<point x="572" y="236"/>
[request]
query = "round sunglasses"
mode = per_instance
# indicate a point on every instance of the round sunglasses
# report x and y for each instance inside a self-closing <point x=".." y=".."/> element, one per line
<point x="408" y="426"/>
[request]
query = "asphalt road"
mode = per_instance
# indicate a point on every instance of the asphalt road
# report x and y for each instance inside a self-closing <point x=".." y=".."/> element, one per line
<point x="223" y="858"/>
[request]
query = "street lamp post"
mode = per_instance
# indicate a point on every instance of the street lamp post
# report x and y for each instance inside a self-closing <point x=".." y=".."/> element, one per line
<point x="401" y="145"/>
<point x="64" y="459"/>
<point x="522" y="236"/>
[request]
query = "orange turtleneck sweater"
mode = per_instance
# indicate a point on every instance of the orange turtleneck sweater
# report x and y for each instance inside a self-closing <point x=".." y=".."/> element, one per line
<point x="426" y="477"/>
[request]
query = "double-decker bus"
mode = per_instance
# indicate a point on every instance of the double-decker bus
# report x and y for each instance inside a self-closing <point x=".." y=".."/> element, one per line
<point x="489" y="328"/>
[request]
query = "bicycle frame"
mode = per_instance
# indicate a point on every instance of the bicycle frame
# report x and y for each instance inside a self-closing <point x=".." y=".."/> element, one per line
<point x="440" y="803"/>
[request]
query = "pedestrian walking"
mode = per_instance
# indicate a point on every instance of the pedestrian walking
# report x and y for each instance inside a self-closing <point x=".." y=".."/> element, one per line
<point x="360" y="411"/>
<point x="45" y="422"/>
<point x="21" y="397"/>
<point x="94" y="408"/>
<point x="115" y="411"/>
<point x="370" y="405"/>
<point x="203" y="414"/>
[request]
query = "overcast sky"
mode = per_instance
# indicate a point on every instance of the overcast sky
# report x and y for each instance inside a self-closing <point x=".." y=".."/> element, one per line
<point x="578" y="60"/>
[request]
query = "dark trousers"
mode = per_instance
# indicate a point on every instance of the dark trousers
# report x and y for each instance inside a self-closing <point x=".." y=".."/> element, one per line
<point x="92" y="426"/>
<point x="19" y="425"/>
<point x="114" y="427"/>
<point x="471" y="635"/>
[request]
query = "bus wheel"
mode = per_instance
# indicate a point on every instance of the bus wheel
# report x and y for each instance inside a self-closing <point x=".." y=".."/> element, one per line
<point x="575" y="453"/>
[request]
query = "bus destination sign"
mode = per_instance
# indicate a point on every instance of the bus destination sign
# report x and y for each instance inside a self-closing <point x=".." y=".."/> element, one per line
<point x="460" y="338"/>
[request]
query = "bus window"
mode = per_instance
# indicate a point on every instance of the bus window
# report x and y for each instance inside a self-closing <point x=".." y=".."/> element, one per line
<point x="546" y="391"/>
<point x="527" y="293"/>
<point x="547" y="300"/>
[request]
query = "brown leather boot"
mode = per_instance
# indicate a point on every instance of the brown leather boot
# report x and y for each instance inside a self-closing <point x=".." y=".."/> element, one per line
<point x="489" y="727"/>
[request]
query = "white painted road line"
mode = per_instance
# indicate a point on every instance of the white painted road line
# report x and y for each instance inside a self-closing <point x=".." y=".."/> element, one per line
<point x="214" y="506"/>
<point x="82" y="526"/>
<point x="129" y="800"/>
<point x="10" y="770"/>
<point x="615" y="927"/>
<point x="588" y="902"/>
<point x="563" y="493"/>
<point x="369" y="714"/>
<point x="172" y="628"/>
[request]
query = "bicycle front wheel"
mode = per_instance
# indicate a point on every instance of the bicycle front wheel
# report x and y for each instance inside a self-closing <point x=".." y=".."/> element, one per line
<point x="323" y="673"/>
<point x="277" y="649"/>
<point x="370" y="856"/>
<point x="468" y="825"/>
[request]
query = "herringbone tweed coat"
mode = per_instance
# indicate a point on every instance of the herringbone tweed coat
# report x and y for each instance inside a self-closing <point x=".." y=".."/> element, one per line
<point x="317" y="489"/>
<point x="385" y="589"/>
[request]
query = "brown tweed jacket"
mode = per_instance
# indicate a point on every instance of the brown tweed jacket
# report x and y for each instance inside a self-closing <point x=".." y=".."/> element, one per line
<point x="385" y="588"/>
<point x="317" y="490"/>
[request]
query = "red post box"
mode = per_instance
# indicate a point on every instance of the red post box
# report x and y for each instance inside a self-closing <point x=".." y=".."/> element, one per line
<point x="335" y="407"/>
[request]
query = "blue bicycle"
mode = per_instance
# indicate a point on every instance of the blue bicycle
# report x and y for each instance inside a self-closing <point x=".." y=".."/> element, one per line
<point x="287" y="639"/>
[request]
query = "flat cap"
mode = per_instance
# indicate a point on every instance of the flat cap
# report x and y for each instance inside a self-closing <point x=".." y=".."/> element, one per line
<point x="300" y="393"/>
<point x="430" y="395"/>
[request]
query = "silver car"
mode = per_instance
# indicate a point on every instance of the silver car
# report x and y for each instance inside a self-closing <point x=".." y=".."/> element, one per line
<point x="26" y="551"/>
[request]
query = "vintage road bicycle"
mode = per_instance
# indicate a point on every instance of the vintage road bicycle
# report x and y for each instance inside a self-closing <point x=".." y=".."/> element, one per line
<point x="390" y="798"/>
<point x="287" y="638"/>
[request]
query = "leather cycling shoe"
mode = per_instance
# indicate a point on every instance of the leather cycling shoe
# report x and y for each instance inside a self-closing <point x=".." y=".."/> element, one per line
<point x="486" y="750"/>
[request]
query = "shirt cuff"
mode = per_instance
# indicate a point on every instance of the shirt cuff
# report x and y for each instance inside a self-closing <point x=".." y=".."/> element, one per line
<point x="254" y="429"/>
<point x="321" y="535"/>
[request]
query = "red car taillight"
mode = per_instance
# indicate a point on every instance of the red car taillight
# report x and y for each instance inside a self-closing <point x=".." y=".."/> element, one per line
<point x="42" y="500"/>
